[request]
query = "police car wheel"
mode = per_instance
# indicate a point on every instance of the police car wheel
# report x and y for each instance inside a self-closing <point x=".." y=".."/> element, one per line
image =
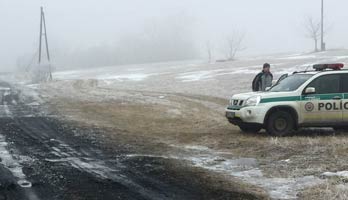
<point x="280" y="123"/>
<point x="341" y="128"/>
<point x="250" y="128"/>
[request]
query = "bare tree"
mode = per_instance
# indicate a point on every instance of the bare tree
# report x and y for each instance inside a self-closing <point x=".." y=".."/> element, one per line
<point x="313" y="31"/>
<point x="234" y="45"/>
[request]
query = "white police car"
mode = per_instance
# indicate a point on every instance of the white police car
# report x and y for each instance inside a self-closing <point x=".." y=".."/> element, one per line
<point x="317" y="98"/>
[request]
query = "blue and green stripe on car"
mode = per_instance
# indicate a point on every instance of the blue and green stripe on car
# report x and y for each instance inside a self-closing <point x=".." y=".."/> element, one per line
<point x="302" y="98"/>
<point x="294" y="98"/>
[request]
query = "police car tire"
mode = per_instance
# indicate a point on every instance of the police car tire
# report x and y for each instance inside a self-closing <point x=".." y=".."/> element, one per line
<point x="250" y="128"/>
<point x="340" y="128"/>
<point x="284" y="117"/>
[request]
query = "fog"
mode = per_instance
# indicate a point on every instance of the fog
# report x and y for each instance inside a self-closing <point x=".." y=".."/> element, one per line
<point x="88" y="33"/>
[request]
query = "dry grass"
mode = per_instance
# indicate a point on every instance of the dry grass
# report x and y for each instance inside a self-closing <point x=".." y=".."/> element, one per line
<point x="331" y="189"/>
<point x="198" y="120"/>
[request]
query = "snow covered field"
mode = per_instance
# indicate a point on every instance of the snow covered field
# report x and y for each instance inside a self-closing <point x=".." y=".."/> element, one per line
<point x="198" y="77"/>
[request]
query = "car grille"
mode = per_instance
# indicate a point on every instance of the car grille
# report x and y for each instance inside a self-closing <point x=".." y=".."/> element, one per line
<point x="236" y="102"/>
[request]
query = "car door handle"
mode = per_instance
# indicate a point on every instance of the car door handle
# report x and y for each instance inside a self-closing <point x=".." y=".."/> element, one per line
<point x="336" y="98"/>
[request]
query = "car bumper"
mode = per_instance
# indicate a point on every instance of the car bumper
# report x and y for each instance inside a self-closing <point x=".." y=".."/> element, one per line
<point x="252" y="114"/>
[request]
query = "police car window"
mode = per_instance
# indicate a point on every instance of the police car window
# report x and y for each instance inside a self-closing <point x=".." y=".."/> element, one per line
<point x="344" y="83"/>
<point x="291" y="83"/>
<point x="326" y="84"/>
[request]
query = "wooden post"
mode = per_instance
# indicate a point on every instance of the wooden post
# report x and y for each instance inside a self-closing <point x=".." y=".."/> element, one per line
<point x="322" y="26"/>
<point x="47" y="50"/>
<point x="40" y="38"/>
<point x="43" y="31"/>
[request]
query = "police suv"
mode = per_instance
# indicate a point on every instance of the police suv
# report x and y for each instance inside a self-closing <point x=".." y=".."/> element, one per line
<point x="316" y="98"/>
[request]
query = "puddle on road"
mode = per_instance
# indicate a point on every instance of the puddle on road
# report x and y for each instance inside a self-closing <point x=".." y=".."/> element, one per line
<point x="246" y="169"/>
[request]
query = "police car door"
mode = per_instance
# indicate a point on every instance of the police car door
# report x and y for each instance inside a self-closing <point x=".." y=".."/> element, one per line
<point x="325" y="105"/>
<point x="344" y="86"/>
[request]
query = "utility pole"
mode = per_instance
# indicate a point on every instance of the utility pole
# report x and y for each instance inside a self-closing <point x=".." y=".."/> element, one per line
<point x="323" y="48"/>
<point x="43" y="32"/>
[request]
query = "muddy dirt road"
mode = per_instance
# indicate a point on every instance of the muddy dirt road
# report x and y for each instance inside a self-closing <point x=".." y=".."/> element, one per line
<point x="45" y="158"/>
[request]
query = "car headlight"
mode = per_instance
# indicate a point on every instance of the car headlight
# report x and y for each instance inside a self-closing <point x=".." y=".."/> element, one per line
<point x="253" y="101"/>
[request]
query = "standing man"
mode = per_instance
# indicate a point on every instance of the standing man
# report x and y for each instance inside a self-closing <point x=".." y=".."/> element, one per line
<point x="263" y="79"/>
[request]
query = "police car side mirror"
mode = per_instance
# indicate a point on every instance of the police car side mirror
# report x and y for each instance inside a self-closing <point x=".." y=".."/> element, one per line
<point x="274" y="82"/>
<point x="310" y="90"/>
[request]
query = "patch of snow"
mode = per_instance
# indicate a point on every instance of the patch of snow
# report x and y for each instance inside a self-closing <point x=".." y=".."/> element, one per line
<point x="33" y="86"/>
<point x="70" y="74"/>
<point x="195" y="147"/>
<point x="9" y="161"/>
<point x="298" y="57"/>
<point x="245" y="169"/>
<point x="33" y="104"/>
<point x="209" y="74"/>
<point x="246" y="71"/>
<point x="124" y="77"/>
<point x="105" y="73"/>
<point x="135" y="70"/>
<point x="341" y="57"/>
<point x="197" y="75"/>
<point x="66" y="154"/>
<point x="174" y="112"/>
<point x="278" y="188"/>
<point x="5" y="111"/>
<point x="4" y="89"/>
<point x="340" y="174"/>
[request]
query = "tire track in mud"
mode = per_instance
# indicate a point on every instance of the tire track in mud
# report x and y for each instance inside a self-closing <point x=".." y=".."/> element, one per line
<point x="48" y="159"/>
<point x="38" y="132"/>
<point x="49" y="149"/>
<point x="14" y="184"/>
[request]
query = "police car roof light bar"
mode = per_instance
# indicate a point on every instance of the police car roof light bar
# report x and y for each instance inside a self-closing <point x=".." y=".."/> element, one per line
<point x="333" y="66"/>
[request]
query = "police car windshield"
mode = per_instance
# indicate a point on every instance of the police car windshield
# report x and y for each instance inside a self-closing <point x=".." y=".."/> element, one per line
<point x="291" y="83"/>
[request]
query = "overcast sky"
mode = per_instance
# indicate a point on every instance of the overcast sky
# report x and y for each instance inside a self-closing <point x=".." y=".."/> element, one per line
<point x="270" y="26"/>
